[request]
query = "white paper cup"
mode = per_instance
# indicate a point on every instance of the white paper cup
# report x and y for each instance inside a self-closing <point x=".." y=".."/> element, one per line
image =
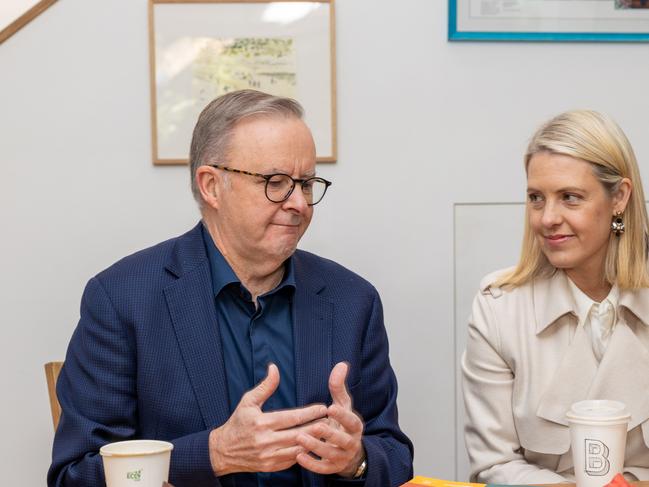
<point x="136" y="463"/>
<point x="598" y="440"/>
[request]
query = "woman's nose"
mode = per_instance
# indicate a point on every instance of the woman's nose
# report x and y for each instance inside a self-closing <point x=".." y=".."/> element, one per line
<point x="551" y="215"/>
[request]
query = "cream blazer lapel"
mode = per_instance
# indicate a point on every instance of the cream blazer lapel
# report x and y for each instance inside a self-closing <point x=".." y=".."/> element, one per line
<point x="624" y="371"/>
<point x="622" y="375"/>
<point x="572" y="380"/>
<point x="635" y="306"/>
<point x="555" y="307"/>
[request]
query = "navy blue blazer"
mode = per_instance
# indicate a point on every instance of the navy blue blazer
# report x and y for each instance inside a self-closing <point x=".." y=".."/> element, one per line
<point x="145" y="361"/>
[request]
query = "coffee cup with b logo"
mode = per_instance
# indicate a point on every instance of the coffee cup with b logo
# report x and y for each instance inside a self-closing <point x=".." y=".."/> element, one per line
<point x="598" y="440"/>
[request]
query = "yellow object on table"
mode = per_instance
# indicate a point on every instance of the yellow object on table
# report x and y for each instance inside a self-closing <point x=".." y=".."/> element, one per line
<point x="427" y="481"/>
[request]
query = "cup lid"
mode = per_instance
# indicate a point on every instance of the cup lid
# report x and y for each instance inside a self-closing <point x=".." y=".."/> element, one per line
<point x="598" y="410"/>
<point x="135" y="448"/>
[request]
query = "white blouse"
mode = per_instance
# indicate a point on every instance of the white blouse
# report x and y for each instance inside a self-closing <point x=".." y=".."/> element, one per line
<point x="599" y="319"/>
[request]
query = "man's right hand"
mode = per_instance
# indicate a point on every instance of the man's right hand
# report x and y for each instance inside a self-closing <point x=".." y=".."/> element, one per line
<point x="254" y="441"/>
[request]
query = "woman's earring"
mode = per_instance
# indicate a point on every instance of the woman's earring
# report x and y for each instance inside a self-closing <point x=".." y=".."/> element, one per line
<point x="617" y="225"/>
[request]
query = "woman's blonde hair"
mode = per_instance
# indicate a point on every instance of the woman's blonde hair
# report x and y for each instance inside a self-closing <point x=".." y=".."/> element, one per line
<point x="598" y="140"/>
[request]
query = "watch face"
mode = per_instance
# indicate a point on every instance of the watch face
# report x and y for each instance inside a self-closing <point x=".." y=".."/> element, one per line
<point x="361" y="469"/>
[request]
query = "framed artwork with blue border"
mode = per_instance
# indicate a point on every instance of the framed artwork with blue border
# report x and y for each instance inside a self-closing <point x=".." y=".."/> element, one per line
<point x="549" y="20"/>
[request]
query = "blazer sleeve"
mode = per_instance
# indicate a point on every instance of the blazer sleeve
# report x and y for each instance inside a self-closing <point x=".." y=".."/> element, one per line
<point x="97" y="391"/>
<point x="389" y="451"/>
<point x="494" y="450"/>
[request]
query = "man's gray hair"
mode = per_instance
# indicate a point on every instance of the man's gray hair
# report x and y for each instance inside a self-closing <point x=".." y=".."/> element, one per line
<point x="215" y="125"/>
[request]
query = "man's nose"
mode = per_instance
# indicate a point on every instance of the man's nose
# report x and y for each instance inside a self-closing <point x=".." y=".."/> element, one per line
<point x="297" y="201"/>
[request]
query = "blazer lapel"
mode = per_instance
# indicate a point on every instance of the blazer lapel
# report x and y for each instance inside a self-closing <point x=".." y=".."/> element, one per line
<point x="579" y="376"/>
<point x="312" y="325"/>
<point x="572" y="380"/>
<point x="613" y="380"/>
<point x="623" y="374"/>
<point x="193" y="314"/>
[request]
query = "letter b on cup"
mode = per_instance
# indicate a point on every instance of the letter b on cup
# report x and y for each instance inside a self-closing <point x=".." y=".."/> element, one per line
<point x="596" y="452"/>
<point x="597" y="440"/>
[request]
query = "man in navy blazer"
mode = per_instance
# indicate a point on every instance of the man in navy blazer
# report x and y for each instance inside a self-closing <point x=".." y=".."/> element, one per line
<point x="172" y="340"/>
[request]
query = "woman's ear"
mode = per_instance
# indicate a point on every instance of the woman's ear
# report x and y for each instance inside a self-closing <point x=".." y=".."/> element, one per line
<point x="622" y="195"/>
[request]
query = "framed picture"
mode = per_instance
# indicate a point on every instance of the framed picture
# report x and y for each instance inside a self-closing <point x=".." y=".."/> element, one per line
<point x="549" y="20"/>
<point x="202" y="49"/>
<point x="16" y="14"/>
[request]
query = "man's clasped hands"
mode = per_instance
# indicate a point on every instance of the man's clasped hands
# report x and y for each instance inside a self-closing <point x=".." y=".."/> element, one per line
<point x="325" y="440"/>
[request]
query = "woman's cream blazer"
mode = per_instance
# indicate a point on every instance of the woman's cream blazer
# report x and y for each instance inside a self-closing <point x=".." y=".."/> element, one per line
<point x="527" y="360"/>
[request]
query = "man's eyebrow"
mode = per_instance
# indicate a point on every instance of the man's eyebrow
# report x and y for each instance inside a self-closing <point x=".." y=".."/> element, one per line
<point x="276" y="170"/>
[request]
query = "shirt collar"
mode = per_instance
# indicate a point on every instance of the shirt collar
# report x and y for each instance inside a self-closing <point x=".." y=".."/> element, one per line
<point x="585" y="303"/>
<point x="223" y="275"/>
<point x="553" y="299"/>
<point x="288" y="281"/>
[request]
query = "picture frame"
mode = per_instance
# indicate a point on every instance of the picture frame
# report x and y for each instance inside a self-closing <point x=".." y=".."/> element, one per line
<point x="549" y="20"/>
<point x="16" y="14"/>
<point x="200" y="49"/>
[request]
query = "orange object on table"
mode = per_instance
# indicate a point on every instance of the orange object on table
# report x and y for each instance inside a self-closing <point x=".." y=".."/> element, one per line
<point x="618" y="481"/>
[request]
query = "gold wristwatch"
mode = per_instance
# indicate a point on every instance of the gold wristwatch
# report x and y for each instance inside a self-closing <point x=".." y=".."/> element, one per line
<point x="360" y="471"/>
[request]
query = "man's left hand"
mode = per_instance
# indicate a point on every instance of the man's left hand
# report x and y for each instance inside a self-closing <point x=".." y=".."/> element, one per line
<point x="337" y="441"/>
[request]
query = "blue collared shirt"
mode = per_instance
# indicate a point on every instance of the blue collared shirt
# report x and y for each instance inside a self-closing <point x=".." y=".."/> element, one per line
<point x="251" y="338"/>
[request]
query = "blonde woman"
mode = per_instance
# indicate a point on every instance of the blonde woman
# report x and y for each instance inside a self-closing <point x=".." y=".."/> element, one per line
<point x="571" y="320"/>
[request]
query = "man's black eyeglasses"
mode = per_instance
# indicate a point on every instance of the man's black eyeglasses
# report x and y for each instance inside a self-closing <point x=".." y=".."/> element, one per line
<point x="279" y="187"/>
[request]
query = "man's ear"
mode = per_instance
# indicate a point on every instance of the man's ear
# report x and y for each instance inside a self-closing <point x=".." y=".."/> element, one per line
<point x="207" y="182"/>
<point x="622" y="195"/>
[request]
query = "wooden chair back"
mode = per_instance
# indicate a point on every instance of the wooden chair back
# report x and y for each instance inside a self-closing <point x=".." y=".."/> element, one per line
<point x="52" y="370"/>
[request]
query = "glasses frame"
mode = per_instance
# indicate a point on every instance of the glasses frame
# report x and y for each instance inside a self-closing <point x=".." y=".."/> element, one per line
<point x="268" y="177"/>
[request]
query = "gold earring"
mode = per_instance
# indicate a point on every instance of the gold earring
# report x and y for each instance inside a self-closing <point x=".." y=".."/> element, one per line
<point x="617" y="225"/>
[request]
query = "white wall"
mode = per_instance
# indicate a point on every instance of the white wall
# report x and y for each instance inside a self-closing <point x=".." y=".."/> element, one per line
<point x="423" y="124"/>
